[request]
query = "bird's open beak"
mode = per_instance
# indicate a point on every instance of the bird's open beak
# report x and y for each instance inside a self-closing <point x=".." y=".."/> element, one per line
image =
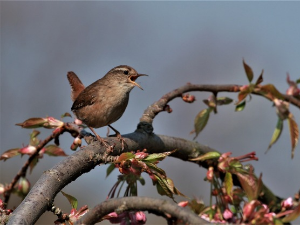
<point x="132" y="79"/>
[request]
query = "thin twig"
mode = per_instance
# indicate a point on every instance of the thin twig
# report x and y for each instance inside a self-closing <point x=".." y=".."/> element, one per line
<point x="8" y="190"/>
<point x="159" y="106"/>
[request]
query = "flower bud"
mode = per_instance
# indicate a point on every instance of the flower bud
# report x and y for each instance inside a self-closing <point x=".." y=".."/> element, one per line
<point x="140" y="217"/>
<point x="210" y="173"/>
<point x="29" y="150"/>
<point x="248" y="210"/>
<point x="141" y="155"/>
<point x="168" y="109"/>
<point x="53" y="123"/>
<point x="188" y="98"/>
<point x="227" y="214"/>
<point x="282" y="108"/>
<point x="22" y="187"/>
<point x="2" y="189"/>
<point x="78" y="122"/>
<point x="183" y="204"/>
<point x="287" y="203"/>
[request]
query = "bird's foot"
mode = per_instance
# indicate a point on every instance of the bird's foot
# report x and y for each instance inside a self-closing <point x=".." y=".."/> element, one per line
<point x="122" y="140"/>
<point x="119" y="136"/>
<point x="109" y="148"/>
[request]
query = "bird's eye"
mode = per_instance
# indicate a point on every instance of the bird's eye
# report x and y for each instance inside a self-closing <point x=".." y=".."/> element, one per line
<point x="126" y="72"/>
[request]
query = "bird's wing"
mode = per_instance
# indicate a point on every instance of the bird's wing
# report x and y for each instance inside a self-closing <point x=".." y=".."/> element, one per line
<point x="87" y="97"/>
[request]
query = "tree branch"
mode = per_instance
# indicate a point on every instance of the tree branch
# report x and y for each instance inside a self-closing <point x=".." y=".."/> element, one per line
<point x="159" y="106"/>
<point x="52" y="181"/>
<point x="54" y="136"/>
<point x="156" y="206"/>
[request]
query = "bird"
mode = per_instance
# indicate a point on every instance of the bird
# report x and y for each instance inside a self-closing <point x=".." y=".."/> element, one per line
<point x="104" y="101"/>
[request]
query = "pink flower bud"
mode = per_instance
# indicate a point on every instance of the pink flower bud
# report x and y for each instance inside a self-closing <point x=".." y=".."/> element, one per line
<point x="140" y="217"/>
<point x="227" y="214"/>
<point x="75" y="215"/>
<point x="77" y="141"/>
<point x="270" y="216"/>
<point x="266" y="208"/>
<point x="293" y="89"/>
<point x="183" y="204"/>
<point x="73" y="147"/>
<point x="23" y="186"/>
<point x="248" y="210"/>
<point x="287" y="203"/>
<point x="53" y="123"/>
<point x="282" y="108"/>
<point x="115" y="218"/>
<point x="210" y="173"/>
<point x="188" y="98"/>
<point x="29" y="150"/>
<point x="2" y="189"/>
<point x="78" y="122"/>
<point x="244" y="87"/>
<point x="141" y="155"/>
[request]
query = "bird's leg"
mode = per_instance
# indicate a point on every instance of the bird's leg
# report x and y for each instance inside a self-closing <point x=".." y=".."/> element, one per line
<point x="123" y="143"/>
<point x="102" y="141"/>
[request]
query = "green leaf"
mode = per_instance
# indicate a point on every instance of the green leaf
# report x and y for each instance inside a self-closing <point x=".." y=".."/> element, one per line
<point x="34" y="141"/>
<point x="270" y="91"/>
<point x="34" y="133"/>
<point x="197" y="206"/>
<point x="10" y="153"/>
<point x="125" y="156"/>
<point x="201" y="120"/>
<point x="240" y="107"/>
<point x="248" y="182"/>
<point x="228" y="183"/>
<point x="244" y="93"/>
<point x="142" y="180"/>
<point x="298" y="81"/>
<point x="165" y="186"/>
<point x="236" y="165"/>
<point x="173" y="189"/>
<point x="73" y="201"/>
<point x="209" y="155"/>
<point x="32" y="123"/>
<point x="110" y="169"/>
<point x="248" y="71"/>
<point x="259" y="186"/>
<point x="277" y="132"/>
<point x="162" y="187"/>
<point x="66" y="114"/>
<point x="260" y="78"/>
<point x="294" y="132"/>
<point x="54" y="150"/>
<point x="294" y="215"/>
<point x="224" y="101"/>
<point x="155" y="168"/>
<point x="33" y="163"/>
<point x="157" y="156"/>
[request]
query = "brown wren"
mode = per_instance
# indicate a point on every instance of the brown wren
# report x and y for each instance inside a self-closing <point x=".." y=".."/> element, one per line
<point x="104" y="101"/>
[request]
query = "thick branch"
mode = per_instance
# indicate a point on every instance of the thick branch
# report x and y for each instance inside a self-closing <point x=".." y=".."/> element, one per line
<point x="42" y="194"/>
<point x="52" y="181"/>
<point x="156" y="206"/>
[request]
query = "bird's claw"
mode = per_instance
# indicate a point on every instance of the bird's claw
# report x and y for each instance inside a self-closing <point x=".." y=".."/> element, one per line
<point x="122" y="140"/>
